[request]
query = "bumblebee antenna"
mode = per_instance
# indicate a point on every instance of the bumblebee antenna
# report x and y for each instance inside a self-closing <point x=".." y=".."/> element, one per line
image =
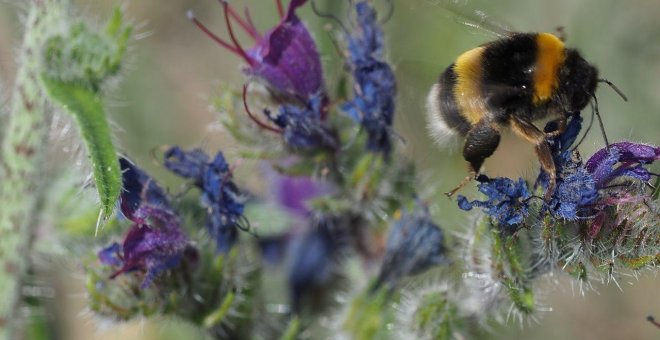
<point x="591" y="123"/>
<point x="616" y="89"/>
<point x="600" y="122"/>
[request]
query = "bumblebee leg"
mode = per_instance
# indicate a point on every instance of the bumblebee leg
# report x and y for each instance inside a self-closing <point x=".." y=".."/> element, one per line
<point x="481" y="142"/>
<point x="561" y="128"/>
<point x="532" y="134"/>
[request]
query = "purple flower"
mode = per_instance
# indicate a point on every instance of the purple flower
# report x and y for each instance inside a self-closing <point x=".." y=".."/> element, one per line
<point x="623" y="159"/>
<point x="220" y="195"/>
<point x="287" y="61"/>
<point x="152" y="249"/>
<point x="507" y="201"/>
<point x="630" y="158"/>
<point x="414" y="245"/>
<point x="110" y="255"/>
<point x="581" y="188"/>
<point x="294" y="192"/>
<point x="139" y="191"/>
<point x="155" y="242"/>
<point x="375" y="84"/>
<point x="285" y="58"/>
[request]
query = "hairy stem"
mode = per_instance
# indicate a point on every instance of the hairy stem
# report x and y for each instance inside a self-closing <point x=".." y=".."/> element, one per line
<point x="22" y="152"/>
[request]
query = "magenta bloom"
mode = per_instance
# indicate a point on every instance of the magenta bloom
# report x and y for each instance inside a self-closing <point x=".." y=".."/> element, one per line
<point x="149" y="248"/>
<point x="293" y="193"/>
<point x="285" y="58"/>
<point x="155" y="242"/>
<point x="623" y="159"/>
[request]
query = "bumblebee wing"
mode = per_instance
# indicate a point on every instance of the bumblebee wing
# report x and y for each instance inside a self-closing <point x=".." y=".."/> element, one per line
<point x="475" y="19"/>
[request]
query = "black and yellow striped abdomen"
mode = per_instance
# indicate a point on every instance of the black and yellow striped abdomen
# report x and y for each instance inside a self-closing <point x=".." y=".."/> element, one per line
<point x="517" y="74"/>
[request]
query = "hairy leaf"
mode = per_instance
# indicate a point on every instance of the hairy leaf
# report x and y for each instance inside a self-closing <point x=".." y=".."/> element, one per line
<point x="87" y="107"/>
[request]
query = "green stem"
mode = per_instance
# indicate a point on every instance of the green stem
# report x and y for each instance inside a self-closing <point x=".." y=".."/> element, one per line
<point x="21" y="159"/>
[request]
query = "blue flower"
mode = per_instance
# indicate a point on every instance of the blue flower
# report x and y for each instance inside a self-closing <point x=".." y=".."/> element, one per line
<point x="375" y="84"/>
<point x="220" y="195"/>
<point x="155" y="242"/>
<point x="303" y="127"/>
<point x="314" y="257"/>
<point x="576" y="189"/>
<point x="507" y="201"/>
<point x="414" y="245"/>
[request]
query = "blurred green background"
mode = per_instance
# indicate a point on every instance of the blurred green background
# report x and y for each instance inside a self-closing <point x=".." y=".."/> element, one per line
<point x="174" y="71"/>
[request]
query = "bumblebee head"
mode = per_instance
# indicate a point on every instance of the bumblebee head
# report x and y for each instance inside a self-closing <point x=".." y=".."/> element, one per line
<point x="577" y="81"/>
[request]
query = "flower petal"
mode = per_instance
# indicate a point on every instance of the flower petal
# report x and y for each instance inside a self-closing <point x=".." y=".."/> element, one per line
<point x="220" y="195"/>
<point x="287" y="59"/>
<point x="414" y="245"/>
<point x="139" y="190"/>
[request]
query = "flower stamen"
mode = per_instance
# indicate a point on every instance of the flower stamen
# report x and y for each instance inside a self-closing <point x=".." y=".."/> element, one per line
<point x="253" y="117"/>
<point x="239" y="49"/>
<point x="203" y="28"/>
<point x="248" y="18"/>
<point x="248" y="26"/>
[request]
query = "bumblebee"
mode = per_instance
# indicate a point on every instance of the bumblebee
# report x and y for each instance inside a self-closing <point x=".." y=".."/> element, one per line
<point x="510" y="83"/>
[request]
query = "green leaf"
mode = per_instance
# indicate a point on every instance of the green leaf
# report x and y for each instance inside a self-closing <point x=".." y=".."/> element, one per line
<point x="219" y="314"/>
<point x="292" y="330"/>
<point x="87" y="108"/>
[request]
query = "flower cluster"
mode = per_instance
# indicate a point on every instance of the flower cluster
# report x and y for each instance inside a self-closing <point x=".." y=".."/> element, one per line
<point x="285" y="59"/>
<point x="623" y="160"/>
<point x="508" y="200"/>
<point x="220" y="195"/>
<point x="375" y="86"/>
<point x="582" y="190"/>
<point x="414" y="244"/>
<point x="155" y="242"/>
<point x="575" y="189"/>
<point x="314" y="260"/>
<point x="336" y="213"/>
<point x="302" y="126"/>
<point x="311" y="245"/>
